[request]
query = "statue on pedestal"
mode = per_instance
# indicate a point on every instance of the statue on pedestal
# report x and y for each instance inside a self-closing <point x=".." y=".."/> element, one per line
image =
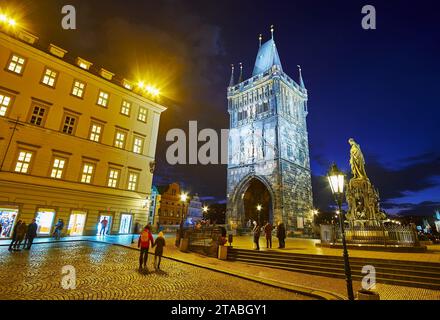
<point x="362" y="197"/>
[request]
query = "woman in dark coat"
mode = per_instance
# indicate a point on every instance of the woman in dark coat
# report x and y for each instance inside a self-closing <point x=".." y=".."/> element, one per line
<point x="159" y="243"/>
<point x="281" y="235"/>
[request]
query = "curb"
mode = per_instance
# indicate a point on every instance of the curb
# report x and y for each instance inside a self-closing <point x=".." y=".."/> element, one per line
<point x="311" y="292"/>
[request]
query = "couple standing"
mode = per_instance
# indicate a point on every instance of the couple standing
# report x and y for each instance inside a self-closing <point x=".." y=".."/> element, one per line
<point x="281" y="235"/>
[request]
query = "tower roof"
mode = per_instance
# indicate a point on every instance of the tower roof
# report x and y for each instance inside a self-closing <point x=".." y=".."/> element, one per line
<point x="267" y="57"/>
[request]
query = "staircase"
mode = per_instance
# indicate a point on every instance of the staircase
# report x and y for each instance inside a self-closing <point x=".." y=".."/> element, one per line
<point x="396" y="272"/>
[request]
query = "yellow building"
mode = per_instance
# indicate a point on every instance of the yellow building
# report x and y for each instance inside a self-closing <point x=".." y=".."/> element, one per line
<point x="76" y="142"/>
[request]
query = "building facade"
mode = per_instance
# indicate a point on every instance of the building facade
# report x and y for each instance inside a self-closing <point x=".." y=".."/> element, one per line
<point x="75" y="141"/>
<point x="269" y="176"/>
<point x="170" y="207"/>
<point x="194" y="210"/>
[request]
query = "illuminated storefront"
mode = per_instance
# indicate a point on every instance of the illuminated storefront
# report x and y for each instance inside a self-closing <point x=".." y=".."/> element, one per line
<point x="8" y="218"/>
<point x="109" y="219"/>
<point x="77" y="223"/>
<point x="125" y="225"/>
<point x="45" y="219"/>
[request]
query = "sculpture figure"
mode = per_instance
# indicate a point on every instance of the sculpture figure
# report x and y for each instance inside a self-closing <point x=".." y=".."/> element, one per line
<point x="357" y="161"/>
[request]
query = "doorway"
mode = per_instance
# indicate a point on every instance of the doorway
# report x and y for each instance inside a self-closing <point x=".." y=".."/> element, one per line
<point x="77" y="223"/>
<point x="125" y="225"/>
<point x="8" y="219"/>
<point x="257" y="203"/>
<point x="104" y="228"/>
<point x="44" y="221"/>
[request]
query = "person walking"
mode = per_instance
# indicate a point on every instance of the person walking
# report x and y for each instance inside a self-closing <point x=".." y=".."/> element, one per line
<point x="58" y="228"/>
<point x="31" y="234"/>
<point x="159" y="243"/>
<point x="281" y="235"/>
<point x="14" y="235"/>
<point x="144" y="244"/>
<point x="104" y="224"/>
<point x="268" y="231"/>
<point x="257" y="233"/>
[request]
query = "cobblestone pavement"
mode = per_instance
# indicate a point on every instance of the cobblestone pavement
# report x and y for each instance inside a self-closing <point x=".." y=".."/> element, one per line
<point x="110" y="272"/>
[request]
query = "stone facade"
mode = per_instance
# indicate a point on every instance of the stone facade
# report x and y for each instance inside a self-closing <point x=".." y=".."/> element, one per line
<point x="268" y="141"/>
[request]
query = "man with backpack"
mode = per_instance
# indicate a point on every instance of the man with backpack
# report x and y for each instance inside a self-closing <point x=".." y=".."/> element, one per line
<point x="144" y="244"/>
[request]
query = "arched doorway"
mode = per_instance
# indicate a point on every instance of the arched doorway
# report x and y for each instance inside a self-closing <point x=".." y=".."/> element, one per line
<point x="257" y="196"/>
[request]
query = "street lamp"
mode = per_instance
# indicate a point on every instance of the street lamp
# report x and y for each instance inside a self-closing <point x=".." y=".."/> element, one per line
<point x="336" y="180"/>
<point x="259" y="207"/>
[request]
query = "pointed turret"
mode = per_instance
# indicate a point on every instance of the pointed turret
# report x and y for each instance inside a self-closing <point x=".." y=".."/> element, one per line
<point x="260" y="38"/>
<point x="267" y="56"/>
<point x="301" y="81"/>
<point x="240" y="79"/>
<point x="231" y="82"/>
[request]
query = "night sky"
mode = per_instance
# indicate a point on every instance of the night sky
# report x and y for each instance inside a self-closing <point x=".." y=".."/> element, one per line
<point x="380" y="87"/>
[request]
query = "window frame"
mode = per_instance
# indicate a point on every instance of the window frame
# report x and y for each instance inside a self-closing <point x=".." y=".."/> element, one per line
<point x="29" y="168"/>
<point x="68" y="114"/>
<point x="10" y="61"/>
<point x="137" y="174"/>
<point x="55" y="80"/>
<point x="92" y="123"/>
<point x="63" y="170"/>
<point x="83" y="90"/>
<point x="11" y="102"/>
<point x="139" y="113"/>
<point x="117" y="130"/>
<point x="129" y="108"/>
<point x="107" y="101"/>
<point x="31" y="113"/>
<point x="118" y="179"/>
<point x="92" y="175"/>
<point x="142" y="139"/>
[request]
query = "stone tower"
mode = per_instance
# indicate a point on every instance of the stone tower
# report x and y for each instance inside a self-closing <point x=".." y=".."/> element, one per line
<point x="269" y="176"/>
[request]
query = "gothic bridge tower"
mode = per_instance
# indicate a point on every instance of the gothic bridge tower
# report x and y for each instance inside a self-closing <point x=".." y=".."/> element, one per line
<point x="268" y="164"/>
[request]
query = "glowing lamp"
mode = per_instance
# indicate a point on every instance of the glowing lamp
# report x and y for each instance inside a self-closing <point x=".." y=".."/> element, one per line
<point x="336" y="180"/>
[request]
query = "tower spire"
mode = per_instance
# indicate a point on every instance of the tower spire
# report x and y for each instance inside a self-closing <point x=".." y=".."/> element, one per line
<point x="260" y="38"/>
<point x="231" y="82"/>
<point x="240" y="80"/>
<point x="301" y="81"/>
<point x="272" y="29"/>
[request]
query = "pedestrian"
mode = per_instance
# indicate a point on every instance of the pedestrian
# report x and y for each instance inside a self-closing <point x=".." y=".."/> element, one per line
<point x="159" y="243"/>
<point x="257" y="233"/>
<point x="281" y="235"/>
<point x="31" y="233"/>
<point x="144" y="244"/>
<point x="58" y="228"/>
<point x="104" y="224"/>
<point x="20" y="233"/>
<point x="268" y="231"/>
<point x="14" y="235"/>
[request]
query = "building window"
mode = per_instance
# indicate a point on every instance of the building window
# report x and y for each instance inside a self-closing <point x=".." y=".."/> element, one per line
<point x="95" y="132"/>
<point x="5" y="101"/>
<point x="113" y="178"/>
<point x="142" y="116"/>
<point x="125" y="108"/>
<point x="120" y="139"/>
<point x="58" y="168"/>
<point x="87" y="173"/>
<point x="38" y="115"/>
<point x="103" y="99"/>
<point x="289" y="151"/>
<point x="49" y="77"/>
<point x="69" y="124"/>
<point x="78" y="89"/>
<point x="138" y="144"/>
<point x="133" y="178"/>
<point x="23" y="162"/>
<point x="16" y="64"/>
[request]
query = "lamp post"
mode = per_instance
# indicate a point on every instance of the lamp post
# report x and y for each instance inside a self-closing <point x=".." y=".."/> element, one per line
<point x="259" y="207"/>
<point x="183" y="198"/>
<point x="336" y="180"/>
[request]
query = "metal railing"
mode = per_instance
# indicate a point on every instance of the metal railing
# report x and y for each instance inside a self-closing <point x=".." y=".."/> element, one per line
<point x="203" y="240"/>
<point x="380" y="235"/>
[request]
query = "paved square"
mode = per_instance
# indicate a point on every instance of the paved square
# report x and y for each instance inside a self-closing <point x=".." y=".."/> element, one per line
<point x="110" y="272"/>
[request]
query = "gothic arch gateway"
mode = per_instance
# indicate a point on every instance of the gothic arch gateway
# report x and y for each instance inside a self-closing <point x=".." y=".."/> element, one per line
<point x="268" y="145"/>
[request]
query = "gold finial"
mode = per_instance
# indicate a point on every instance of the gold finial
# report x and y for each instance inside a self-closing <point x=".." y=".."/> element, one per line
<point x="260" y="38"/>
<point x="272" y="29"/>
